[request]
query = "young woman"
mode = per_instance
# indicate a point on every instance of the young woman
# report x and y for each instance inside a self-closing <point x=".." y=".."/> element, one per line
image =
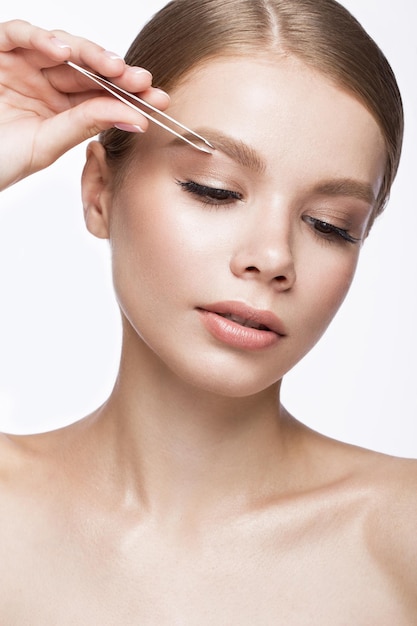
<point x="192" y="496"/>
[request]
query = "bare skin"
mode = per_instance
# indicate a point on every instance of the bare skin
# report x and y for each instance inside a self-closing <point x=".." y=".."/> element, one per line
<point x="336" y="548"/>
<point x="191" y="500"/>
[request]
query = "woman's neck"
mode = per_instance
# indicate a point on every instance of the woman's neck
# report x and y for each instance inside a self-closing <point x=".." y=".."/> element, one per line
<point x="185" y="451"/>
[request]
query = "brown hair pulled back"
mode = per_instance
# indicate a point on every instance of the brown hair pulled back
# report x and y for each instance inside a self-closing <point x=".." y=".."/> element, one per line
<point x="321" y="33"/>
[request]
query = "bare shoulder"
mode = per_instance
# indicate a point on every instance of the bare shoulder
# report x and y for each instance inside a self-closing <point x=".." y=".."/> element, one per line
<point x="375" y="496"/>
<point x="24" y="460"/>
<point x="20" y="452"/>
<point x="387" y="487"/>
<point x="393" y="482"/>
<point x="14" y="453"/>
<point x="31" y="464"/>
<point x="23" y="476"/>
<point x="395" y="476"/>
<point x="36" y="489"/>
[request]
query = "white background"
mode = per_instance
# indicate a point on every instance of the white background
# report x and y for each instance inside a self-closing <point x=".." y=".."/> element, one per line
<point x="60" y="331"/>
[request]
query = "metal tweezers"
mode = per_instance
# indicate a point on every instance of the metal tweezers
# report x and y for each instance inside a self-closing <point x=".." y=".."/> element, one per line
<point x="122" y="95"/>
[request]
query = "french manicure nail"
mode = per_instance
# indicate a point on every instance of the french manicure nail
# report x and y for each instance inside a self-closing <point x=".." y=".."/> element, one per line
<point x="162" y="92"/>
<point x="60" y="44"/>
<point x="112" y="55"/>
<point x="139" y="70"/>
<point x="129" y="128"/>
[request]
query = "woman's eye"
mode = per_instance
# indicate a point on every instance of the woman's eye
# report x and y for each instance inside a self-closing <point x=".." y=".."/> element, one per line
<point x="330" y="231"/>
<point x="210" y="195"/>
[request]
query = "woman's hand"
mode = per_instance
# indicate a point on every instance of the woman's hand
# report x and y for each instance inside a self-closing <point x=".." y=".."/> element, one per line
<point x="47" y="107"/>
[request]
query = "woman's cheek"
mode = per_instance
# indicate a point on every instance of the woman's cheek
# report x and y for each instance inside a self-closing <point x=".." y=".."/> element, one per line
<point x="323" y="287"/>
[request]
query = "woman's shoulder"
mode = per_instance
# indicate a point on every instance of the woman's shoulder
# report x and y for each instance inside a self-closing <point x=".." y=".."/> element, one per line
<point x="23" y="461"/>
<point x="23" y="483"/>
<point x="28" y="461"/>
<point x="15" y="453"/>
<point x="380" y="487"/>
<point x="389" y="478"/>
<point x="40" y="476"/>
<point x="393" y="483"/>
<point x="18" y="450"/>
<point x="369" y="501"/>
<point x="388" y="482"/>
<point x="385" y="493"/>
<point x="393" y="529"/>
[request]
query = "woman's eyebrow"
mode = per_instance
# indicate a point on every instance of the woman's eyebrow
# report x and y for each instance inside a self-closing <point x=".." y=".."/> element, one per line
<point x="234" y="148"/>
<point x="347" y="187"/>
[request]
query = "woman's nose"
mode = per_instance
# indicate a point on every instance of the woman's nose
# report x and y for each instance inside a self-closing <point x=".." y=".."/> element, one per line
<point x="264" y="252"/>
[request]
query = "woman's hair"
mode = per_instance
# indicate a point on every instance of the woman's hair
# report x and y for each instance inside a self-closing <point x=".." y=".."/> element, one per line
<point x="321" y="33"/>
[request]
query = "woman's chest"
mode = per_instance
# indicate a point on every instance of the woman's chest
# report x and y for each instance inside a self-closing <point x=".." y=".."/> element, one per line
<point x="230" y="577"/>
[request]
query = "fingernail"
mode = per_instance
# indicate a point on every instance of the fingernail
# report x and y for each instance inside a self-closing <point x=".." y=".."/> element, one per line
<point x="112" y="55"/>
<point x="162" y="92"/>
<point x="60" y="44"/>
<point x="129" y="128"/>
<point x="139" y="70"/>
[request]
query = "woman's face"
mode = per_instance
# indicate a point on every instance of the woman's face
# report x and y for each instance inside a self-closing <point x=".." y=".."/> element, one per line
<point x="230" y="266"/>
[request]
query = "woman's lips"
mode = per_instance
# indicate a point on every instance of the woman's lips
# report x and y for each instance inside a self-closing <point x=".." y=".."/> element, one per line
<point x="242" y="326"/>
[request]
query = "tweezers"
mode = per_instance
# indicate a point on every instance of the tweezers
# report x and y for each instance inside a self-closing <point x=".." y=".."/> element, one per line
<point x="122" y="95"/>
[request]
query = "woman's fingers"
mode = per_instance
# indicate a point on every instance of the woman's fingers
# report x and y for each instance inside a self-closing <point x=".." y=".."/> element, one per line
<point x="50" y="106"/>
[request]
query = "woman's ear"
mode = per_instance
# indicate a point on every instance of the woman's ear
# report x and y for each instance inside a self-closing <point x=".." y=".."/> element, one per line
<point x="96" y="194"/>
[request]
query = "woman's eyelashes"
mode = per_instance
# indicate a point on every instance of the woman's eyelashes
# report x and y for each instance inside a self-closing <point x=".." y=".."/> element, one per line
<point x="213" y="196"/>
<point x="328" y="231"/>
